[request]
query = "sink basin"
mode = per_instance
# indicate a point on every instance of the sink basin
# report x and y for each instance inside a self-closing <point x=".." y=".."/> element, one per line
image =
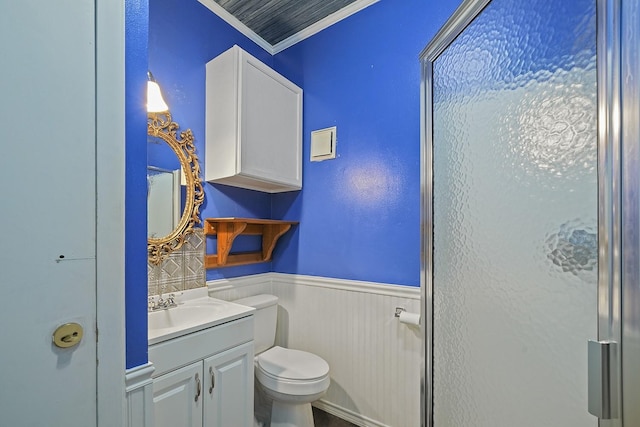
<point x="183" y="315"/>
<point x="191" y="316"/>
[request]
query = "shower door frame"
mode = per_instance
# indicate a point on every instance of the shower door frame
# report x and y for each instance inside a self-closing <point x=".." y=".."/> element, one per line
<point x="618" y="149"/>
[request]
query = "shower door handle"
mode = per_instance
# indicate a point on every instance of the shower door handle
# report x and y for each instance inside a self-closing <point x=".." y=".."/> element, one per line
<point x="603" y="379"/>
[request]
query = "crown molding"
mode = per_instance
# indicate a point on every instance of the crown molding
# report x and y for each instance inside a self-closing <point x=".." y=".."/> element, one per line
<point x="326" y="22"/>
<point x="237" y="24"/>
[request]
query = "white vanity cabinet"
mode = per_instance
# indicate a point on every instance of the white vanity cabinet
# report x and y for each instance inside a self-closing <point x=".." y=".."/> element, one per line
<point x="205" y="379"/>
<point x="253" y="125"/>
<point x="177" y="397"/>
<point x="226" y="397"/>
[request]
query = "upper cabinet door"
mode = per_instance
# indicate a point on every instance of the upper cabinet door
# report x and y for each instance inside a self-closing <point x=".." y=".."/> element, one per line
<point x="253" y="125"/>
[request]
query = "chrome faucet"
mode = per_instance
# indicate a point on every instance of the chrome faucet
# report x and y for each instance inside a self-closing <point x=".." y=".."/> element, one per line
<point x="161" y="303"/>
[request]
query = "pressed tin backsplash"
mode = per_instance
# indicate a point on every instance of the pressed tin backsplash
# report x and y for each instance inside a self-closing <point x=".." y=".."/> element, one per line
<point x="182" y="270"/>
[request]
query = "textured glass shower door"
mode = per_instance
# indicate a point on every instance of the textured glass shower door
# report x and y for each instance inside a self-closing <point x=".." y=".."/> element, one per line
<point x="514" y="119"/>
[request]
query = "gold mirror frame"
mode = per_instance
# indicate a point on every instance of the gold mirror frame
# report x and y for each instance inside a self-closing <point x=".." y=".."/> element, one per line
<point x="161" y="126"/>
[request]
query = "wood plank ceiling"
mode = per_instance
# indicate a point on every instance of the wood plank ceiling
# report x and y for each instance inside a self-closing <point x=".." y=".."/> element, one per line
<point x="276" y="20"/>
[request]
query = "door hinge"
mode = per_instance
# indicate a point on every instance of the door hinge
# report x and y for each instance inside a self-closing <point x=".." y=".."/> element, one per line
<point x="603" y="379"/>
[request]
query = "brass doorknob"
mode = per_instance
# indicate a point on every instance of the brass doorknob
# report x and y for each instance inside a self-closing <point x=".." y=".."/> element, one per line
<point x="67" y="335"/>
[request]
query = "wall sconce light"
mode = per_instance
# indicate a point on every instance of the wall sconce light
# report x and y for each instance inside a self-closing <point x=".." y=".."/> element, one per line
<point x="155" y="102"/>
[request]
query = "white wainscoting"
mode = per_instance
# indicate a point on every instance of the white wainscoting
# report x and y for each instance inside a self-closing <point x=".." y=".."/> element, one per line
<point x="139" y="390"/>
<point x="374" y="359"/>
<point x="241" y="287"/>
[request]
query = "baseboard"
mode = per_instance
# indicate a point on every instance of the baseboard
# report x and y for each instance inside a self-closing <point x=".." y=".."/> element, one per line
<point x="347" y="415"/>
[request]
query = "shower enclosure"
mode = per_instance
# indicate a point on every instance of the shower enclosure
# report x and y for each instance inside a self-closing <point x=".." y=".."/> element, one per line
<point x="531" y="215"/>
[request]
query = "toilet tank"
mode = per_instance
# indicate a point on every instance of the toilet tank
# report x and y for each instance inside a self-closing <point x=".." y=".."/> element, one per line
<point x="265" y="319"/>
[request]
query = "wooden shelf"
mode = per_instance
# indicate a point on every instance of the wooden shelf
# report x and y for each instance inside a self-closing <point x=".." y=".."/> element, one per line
<point x="227" y="229"/>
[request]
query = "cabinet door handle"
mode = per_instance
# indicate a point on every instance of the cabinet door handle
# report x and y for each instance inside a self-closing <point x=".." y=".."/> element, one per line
<point x="198" y="387"/>
<point x="213" y="379"/>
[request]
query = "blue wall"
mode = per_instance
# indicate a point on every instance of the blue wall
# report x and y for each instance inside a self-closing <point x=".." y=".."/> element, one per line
<point x="136" y="182"/>
<point x="183" y="37"/>
<point x="360" y="213"/>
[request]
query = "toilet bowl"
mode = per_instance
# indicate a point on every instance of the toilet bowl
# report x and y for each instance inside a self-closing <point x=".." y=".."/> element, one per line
<point x="292" y="379"/>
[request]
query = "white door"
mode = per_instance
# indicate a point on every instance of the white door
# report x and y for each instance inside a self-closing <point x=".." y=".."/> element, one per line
<point x="513" y="121"/>
<point x="47" y="192"/>
<point x="531" y="229"/>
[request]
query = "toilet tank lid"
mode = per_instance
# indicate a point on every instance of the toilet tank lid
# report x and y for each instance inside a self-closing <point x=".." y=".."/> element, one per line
<point x="258" y="301"/>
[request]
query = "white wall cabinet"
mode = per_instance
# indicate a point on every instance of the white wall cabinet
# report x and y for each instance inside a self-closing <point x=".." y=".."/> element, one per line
<point x="205" y="379"/>
<point x="253" y="125"/>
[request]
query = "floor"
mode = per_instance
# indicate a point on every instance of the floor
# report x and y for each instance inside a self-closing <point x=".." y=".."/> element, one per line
<point x="262" y="411"/>
<point x="323" y="419"/>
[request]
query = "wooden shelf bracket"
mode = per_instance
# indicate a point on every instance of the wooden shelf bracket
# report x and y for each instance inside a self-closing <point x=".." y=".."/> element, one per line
<point x="227" y="229"/>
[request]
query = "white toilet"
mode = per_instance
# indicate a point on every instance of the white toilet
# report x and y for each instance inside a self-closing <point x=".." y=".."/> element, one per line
<point x="292" y="378"/>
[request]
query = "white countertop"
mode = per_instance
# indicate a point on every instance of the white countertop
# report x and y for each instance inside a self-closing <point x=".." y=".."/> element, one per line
<point x="195" y="311"/>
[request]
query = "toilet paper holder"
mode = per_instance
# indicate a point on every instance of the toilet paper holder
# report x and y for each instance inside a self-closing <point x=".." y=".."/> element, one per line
<point x="411" y="319"/>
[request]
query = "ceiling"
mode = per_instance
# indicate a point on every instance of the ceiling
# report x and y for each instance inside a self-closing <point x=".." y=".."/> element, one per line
<point x="278" y="24"/>
<point x="276" y="20"/>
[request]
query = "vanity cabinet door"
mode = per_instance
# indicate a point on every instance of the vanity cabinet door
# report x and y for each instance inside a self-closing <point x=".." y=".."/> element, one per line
<point x="178" y="397"/>
<point x="229" y="388"/>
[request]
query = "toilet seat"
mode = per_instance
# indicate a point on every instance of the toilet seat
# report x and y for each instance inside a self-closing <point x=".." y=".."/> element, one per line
<point x="292" y="372"/>
<point x="292" y="364"/>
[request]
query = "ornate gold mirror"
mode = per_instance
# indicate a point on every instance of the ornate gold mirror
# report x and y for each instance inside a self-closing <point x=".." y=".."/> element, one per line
<point x="174" y="187"/>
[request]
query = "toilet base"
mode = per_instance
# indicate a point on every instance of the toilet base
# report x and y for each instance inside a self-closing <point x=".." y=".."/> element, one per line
<point x="291" y="414"/>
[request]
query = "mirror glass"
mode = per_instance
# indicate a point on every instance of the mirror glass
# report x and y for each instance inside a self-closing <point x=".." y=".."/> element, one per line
<point x="174" y="187"/>
<point x="165" y="188"/>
